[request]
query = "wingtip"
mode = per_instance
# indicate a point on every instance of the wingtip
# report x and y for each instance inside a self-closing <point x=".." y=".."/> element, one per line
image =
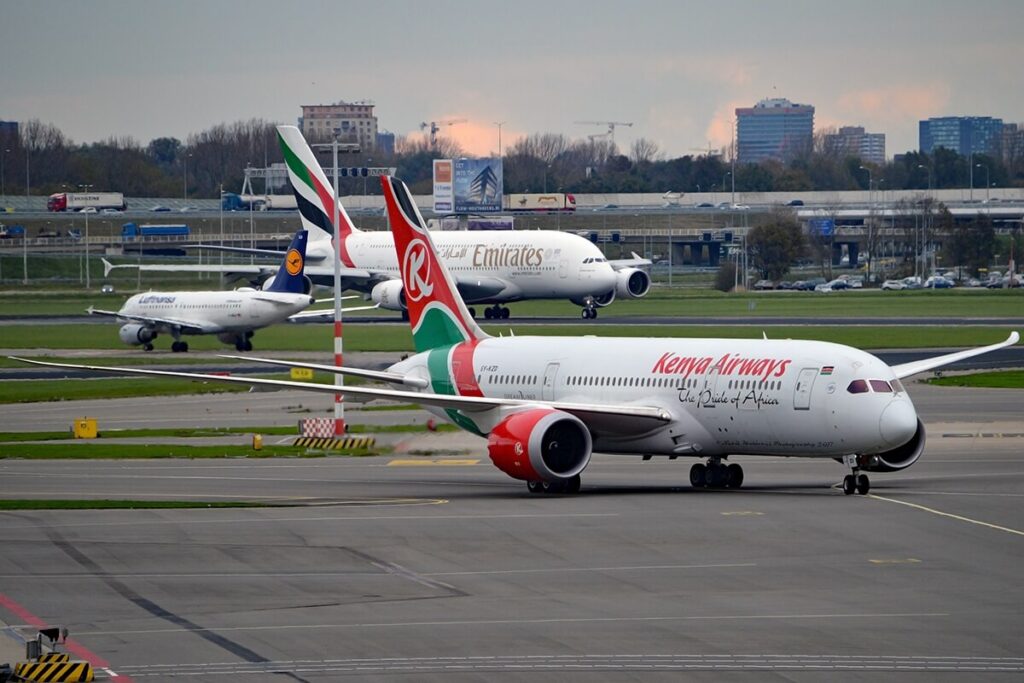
<point x="1014" y="337"/>
<point x="107" y="267"/>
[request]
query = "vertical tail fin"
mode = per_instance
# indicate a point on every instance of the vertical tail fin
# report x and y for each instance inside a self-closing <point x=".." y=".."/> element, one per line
<point x="313" y="191"/>
<point x="437" y="314"/>
<point x="291" y="276"/>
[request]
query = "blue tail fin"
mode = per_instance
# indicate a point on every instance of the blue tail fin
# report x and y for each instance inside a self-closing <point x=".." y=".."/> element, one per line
<point x="291" y="275"/>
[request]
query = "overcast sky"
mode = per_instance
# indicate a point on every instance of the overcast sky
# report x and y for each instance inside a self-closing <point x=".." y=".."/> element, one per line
<point x="675" y="70"/>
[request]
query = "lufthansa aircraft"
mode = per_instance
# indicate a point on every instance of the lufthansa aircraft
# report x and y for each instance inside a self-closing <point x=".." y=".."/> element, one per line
<point x="231" y="315"/>
<point x="489" y="267"/>
<point x="545" y="404"/>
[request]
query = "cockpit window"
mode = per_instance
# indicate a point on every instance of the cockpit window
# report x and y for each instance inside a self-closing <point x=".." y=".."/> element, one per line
<point x="897" y="386"/>
<point x="858" y="386"/>
<point x="880" y="386"/>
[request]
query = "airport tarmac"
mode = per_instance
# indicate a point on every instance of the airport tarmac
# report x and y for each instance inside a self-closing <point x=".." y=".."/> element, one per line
<point x="441" y="568"/>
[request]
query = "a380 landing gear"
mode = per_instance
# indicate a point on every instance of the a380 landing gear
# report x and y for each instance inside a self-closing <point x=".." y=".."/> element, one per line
<point x="496" y="312"/>
<point x="589" y="313"/>
<point x="570" y="485"/>
<point x="716" y="475"/>
<point x="177" y="347"/>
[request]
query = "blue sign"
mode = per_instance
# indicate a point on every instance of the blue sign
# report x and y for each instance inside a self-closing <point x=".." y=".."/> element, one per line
<point x="477" y="185"/>
<point x="822" y="226"/>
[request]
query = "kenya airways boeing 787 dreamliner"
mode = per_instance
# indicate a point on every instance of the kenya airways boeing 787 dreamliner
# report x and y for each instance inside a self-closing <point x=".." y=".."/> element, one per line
<point x="545" y="404"/>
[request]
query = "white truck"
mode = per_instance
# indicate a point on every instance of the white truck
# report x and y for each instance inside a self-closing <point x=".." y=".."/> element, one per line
<point x="76" y="201"/>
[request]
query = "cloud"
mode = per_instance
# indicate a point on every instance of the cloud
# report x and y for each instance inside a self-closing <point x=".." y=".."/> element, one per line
<point x="895" y="103"/>
<point x="474" y="135"/>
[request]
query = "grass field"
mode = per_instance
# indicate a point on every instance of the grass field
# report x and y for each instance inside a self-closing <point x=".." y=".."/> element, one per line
<point x="396" y="338"/>
<point x="1004" y="379"/>
<point x="660" y="301"/>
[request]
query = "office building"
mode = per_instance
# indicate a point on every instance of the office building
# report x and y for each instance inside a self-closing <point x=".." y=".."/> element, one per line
<point x="773" y="129"/>
<point x="964" y="135"/>
<point x="354" y="120"/>
<point x="853" y="141"/>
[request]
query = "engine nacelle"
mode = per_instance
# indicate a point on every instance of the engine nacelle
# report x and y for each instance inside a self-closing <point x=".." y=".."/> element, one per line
<point x="389" y="295"/>
<point x="897" y="459"/>
<point x="540" y="445"/>
<point x="136" y="335"/>
<point x="632" y="282"/>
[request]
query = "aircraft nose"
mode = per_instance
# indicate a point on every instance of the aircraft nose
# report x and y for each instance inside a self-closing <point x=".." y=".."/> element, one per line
<point x="898" y="422"/>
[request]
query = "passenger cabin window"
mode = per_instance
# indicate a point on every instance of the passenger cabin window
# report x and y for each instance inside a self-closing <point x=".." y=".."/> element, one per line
<point x="858" y="386"/>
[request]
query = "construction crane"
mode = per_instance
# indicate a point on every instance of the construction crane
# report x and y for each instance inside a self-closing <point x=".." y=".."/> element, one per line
<point x="435" y="126"/>
<point x="708" y="152"/>
<point x="611" y="126"/>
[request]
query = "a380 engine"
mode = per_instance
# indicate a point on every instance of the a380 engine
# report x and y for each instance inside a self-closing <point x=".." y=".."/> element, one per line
<point x="632" y="282"/>
<point x="541" y="445"/>
<point x="389" y="295"/>
<point x="136" y="335"/>
<point x="899" y="458"/>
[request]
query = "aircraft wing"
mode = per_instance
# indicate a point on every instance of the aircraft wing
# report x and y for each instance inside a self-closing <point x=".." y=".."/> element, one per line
<point x="377" y="375"/>
<point x="327" y="315"/>
<point x="275" y="253"/>
<point x="637" y="261"/>
<point x="188" y="326"/>
<point x="640" y="418"/>
<point x="243" y="269"/>
<point x="914" y="367"/>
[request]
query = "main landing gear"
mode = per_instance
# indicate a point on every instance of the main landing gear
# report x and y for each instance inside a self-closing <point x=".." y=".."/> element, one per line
<point x="570" y="485"/>
<point x="496" y="312"/>
<point x="178" y="347"/>
<point x="589" y="313"/>
<point x="244" y="343"/>
<point x="716" y="475"/>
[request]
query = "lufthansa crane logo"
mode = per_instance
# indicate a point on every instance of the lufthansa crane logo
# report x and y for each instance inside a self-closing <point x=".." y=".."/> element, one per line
<point x="293" y="262"/>
<point x="416" y="271"/>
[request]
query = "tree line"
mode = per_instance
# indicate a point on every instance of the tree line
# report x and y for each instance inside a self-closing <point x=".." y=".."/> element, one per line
<point x="45" y="160"/>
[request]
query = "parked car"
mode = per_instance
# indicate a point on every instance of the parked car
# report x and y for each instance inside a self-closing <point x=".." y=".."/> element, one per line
<point x="938" y="282"/>
<point x="795" y="202"/>
<point x="912" y="282"/>
<point x="88" y="209"/>
<point x="764" y="284"/>
<point x="112" y="212"/>
<point x="107" y="289"/>
<point x="159" y="207"/>
<point x="704" y="205"/>
<point x="893" y="285"/>
<point x="785" y="284"/>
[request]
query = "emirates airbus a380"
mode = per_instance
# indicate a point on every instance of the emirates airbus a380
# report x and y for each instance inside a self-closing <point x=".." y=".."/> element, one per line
<point x="545" y="404"/>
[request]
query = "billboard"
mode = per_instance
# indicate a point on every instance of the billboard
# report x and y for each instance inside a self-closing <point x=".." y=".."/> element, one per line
<point x="443" y="199"/>
<point x="467" y="185"/>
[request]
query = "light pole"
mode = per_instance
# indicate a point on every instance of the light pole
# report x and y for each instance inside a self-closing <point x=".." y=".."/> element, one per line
<point x="499" y="124"/>
<point x="3" y="175"/>
<point x="184" y="184"/>
<point x="929" y="169"/>
<point x="88" y="282"/>
<point x="871" y="247"/>
<point x="724" y="176"/>
<point x="970" y="173"/>
<point x="988" y="184"/>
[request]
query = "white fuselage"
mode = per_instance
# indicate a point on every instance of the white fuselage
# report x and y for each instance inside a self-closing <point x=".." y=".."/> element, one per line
<point x="725" y="396"/>
<point x="535" y="264"/>
<point x="216" y="312"/>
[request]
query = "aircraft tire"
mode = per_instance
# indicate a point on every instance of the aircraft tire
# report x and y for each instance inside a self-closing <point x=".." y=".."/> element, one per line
<point x="734" y="476"/>
<point x="176" y="347"/>
<point x="184" y="347"/>
<point x="247" y="345"/>
<point x="572" y="485"/>
<point x="504" y="313"/>
<point x="863" y="484"/>
<point x="715" y="477"/>
<point x="148" y="347"/>
<point x="488" y="313"/>
<point x="698" y="475"/>
<point x="534" y="487"/>
<point x="849" y="485"/>
<point x="472" y="312"/>
<point x="239" y="345"/>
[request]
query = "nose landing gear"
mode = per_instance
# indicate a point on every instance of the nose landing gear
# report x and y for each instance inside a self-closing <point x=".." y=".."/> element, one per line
<point x="856" y="481"/>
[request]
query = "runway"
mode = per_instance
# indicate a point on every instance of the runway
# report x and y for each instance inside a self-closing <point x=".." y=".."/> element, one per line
<point x="441" y="568"/>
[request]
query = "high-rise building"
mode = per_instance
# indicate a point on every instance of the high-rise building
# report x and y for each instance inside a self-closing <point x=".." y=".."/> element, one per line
<point x="1013" y="142"/>
<point x="964" y="135"/>
<point x="773" y="129"/>
<point x="354" y="121"/>
<point x="853" y="141"/>
<point x="9" y="129"/>
<point x="386" y="143"/>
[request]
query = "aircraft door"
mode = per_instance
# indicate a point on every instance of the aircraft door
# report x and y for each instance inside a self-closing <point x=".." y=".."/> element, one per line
<point x="804" y="384"/>
<point x="707" y="393"/>
<point x="563" y="268"/>
<point x="547" y="389"/>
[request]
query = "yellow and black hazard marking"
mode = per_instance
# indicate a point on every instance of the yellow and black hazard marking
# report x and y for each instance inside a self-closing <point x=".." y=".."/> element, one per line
<point x="53" y="671"/>
<point x="335" y="444"/>
<point x="54" y="657"/>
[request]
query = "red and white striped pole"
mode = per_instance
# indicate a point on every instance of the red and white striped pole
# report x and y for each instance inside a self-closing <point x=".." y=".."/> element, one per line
<point x="339" y="380"/>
